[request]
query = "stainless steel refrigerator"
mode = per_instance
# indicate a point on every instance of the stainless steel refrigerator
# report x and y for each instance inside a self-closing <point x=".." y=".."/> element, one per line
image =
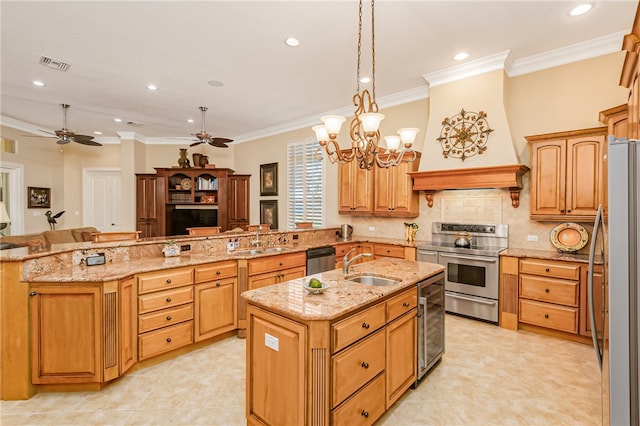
<point x="617" y="349"/>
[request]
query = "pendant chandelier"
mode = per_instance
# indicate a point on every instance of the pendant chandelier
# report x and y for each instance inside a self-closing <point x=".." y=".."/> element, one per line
<point x="364" y="128"/>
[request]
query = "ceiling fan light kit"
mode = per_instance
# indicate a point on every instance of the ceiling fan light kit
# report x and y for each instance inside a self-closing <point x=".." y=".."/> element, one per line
<point x="364" y="128"/>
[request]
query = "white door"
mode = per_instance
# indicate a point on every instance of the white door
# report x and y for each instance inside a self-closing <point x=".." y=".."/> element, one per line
<point x="102" y="199"/>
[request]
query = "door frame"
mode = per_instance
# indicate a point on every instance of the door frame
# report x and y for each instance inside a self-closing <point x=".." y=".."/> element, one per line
<point x="17" y="205"/>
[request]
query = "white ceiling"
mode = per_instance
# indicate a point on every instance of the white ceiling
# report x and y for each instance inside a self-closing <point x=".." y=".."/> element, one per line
<point x="116" y="48"/>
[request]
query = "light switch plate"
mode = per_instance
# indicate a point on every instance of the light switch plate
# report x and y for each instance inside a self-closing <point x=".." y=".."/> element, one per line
<point x="532" y="238"/>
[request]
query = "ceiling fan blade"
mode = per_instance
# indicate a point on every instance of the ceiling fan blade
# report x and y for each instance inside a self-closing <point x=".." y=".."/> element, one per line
<point x="78" y="138"/>
<point x="222" y="140"/>
<point x="196" y="143"/>
<point x="218" y="144"/>
<point x="87" y="142"/>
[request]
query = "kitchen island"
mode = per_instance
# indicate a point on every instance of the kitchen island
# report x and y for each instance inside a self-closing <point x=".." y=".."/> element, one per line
<point x="343" y="356"/>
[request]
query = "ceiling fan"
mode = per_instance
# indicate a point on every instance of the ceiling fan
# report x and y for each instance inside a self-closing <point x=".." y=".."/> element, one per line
<point x="204" y="137"/>
<point x="65" y="135"/>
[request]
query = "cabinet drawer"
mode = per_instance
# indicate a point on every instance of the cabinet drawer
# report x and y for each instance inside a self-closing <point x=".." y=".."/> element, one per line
<point x="165" y="340"/>
<point x="164" y="279"/>
<point x="355" y="327"/>
<point x="388" y="250"/>
<point x="164" y="299"/>
<point x="404" y="302"/>
<point x="547" y="315"/>
<point x="342" y="249"/>
<point x="357" y="365"/>
<point x="552" y="290"/>
<point x="278" y="262"/>
<point x="216" y="271"/>
<point x="364" y="408"/>
<point x="165" y="317"/>
<point x="550" y="269"/>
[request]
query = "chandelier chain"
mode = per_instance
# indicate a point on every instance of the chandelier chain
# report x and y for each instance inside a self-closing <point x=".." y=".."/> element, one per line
<point x="359" y="46"/>
<point x="373" y="52"/>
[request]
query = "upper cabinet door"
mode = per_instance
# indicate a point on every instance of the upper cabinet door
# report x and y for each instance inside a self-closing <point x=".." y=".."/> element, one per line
<point x="584" y="174"/>
<point x="548" y="159"/>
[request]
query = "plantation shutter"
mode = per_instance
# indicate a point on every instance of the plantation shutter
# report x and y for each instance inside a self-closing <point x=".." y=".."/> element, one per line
<point x="305" y="185"/>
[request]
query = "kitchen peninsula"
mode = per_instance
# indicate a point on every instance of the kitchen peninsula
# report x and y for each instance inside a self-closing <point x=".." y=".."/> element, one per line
<point x="139" y="307"/>
<point x="343" y="356"/>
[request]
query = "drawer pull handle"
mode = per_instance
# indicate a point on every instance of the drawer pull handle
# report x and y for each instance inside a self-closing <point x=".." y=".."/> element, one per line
<point x="280" y="263"/>
<point x="364" y="414"/>
<point x="218" y="272"/>
<point x="405" y="304"/>
<point x="546" y="269"/>
<point x="388" y="251"/>
<point x="546" y="316"/>
<point x="168" y="280"/>
<point x="168" y="317"/>
<point x="168" y="299"/>
<point x="365" y="325"/>
<point x="168" y="339"/>
<point x="218" y="284"/>
<point x="364" y="365"/>
<point x="546" y="290"/>
<point x="33" y="293"/>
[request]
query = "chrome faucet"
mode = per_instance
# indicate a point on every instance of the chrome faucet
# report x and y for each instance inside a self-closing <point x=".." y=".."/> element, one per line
<point x="257" y="241"/>
<point x="346" y="262"/>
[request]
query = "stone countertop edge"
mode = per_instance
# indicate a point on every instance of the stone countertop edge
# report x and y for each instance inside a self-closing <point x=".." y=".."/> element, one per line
<point x="549" y="255"/>
<point x="291" y="300"/>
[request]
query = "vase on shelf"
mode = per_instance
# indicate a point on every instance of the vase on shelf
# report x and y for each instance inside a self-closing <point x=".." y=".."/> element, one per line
<point x="183" y="161"/>
<point x="204" y="160"/>
<point x="196" y="159"/>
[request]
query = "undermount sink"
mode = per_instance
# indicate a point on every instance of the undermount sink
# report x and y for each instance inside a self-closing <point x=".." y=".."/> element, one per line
<point x="373" y="280"/>
<point x="252" y="252"/>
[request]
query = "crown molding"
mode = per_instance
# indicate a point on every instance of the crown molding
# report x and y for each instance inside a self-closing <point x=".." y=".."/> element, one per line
<point x="21" y="125"/>
<point x="468" y="69"/>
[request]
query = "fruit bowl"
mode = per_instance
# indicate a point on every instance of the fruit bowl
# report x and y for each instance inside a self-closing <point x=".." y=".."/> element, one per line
<point x="315" y="290"/>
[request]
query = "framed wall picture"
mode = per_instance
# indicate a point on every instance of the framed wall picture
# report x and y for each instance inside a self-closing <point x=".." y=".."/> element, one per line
<point x="269" y="213"/>
<point x="39" y="198"/>
<point x="269" y="179"/>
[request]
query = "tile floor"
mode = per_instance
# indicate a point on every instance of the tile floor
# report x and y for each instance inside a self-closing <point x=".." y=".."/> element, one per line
<point x="488" y="376"/>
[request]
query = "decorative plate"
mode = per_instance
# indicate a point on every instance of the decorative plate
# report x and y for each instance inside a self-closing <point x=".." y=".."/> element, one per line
<point x="315" y="290"/>
<point x="185" y="183"/>
<point x="569" y="237"/>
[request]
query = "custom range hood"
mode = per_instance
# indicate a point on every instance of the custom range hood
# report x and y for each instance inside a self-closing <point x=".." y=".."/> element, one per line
<point x="476" y="86"/>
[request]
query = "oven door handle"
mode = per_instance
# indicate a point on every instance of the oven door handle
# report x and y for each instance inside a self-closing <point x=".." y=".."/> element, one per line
<point x="478" y="258"/>
<point x="485" y="302"/>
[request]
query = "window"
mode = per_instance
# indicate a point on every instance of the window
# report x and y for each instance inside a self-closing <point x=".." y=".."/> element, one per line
<point x="305" y="184"/>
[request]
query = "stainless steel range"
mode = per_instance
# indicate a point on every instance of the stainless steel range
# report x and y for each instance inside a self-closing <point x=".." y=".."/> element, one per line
<point x="470" y="254"/>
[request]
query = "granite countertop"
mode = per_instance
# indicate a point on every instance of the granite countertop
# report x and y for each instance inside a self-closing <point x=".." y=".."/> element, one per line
<point x="341" y="297"/>
<point x="549" y="255"/>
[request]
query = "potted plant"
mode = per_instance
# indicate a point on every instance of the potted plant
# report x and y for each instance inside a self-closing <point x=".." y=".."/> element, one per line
<point x="171" y="248"/>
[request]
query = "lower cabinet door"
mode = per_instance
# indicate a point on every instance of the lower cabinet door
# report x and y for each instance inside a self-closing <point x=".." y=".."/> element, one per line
<point x="66" y="334"/>
<point x="401" y="365"/>
<point x="363" y="408"/>
<point x="215" y="308"/>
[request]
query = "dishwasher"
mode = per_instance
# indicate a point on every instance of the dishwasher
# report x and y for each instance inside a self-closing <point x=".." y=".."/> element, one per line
<point x="321" y="259"/>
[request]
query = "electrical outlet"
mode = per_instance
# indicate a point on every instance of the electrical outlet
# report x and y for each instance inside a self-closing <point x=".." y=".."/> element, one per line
<point x="532" y="238"/>
<point x="295" y="236"/>
<point x="185" y="247"/>
<point x="372" y="229"/>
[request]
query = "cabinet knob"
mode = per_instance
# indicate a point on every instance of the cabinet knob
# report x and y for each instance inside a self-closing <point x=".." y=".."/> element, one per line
<point x="364" y="365"/>
<point x="365" y="325"/>
<point x="562" y="211"/>
<point x="364" y="414"/>
<point x="218" y="272"/>
<point x="33" y="293"/>
<point x="568" y="211"/>
<point x="168" y="280"/>
<point x="168" y="339"/>
<point x="168" y="299"/>
<point x="280" y="263"/>
<point x="405" y="304"/>
<point x="546" y="290"/>
<point x="546" y="316"/>
<point x="168" y="317"/>
<point x="388" y="251"/>
<point x="218" y="284"/>
<point x="546" y="269"/>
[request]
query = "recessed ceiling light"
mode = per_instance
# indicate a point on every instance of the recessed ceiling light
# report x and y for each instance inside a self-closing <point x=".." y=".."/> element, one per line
<point x="152" y="87"/>
<point x="581" y="9"/>
<point x="190" y="121"/>
<point x="461" y="56"/>
<point x="97" y="133"/>
<point x="292" y="42"/>
<point x="365" y="80"/>
<point x="117" y="120"/>
<point x="37" y="83"/>
<point x="215" y="83"/>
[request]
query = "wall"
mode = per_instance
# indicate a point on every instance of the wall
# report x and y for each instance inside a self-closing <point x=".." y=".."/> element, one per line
<point x="562" y="98"/>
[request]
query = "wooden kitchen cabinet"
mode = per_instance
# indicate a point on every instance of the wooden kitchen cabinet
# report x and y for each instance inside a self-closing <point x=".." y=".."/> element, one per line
<point x="66" y="333"/>
<point x="165" y="311"/>
<point x="128" y="315"/>
<point x="616" y="121"/>
<point x="393" y="190"/>
<point x="567" y="181"/>
<point x="215" y="299"/>
<point x="270" y="270"/>
<point x="147" y="205"/>
<point x="238" y="189"/>
<point x="355" y="189"/>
